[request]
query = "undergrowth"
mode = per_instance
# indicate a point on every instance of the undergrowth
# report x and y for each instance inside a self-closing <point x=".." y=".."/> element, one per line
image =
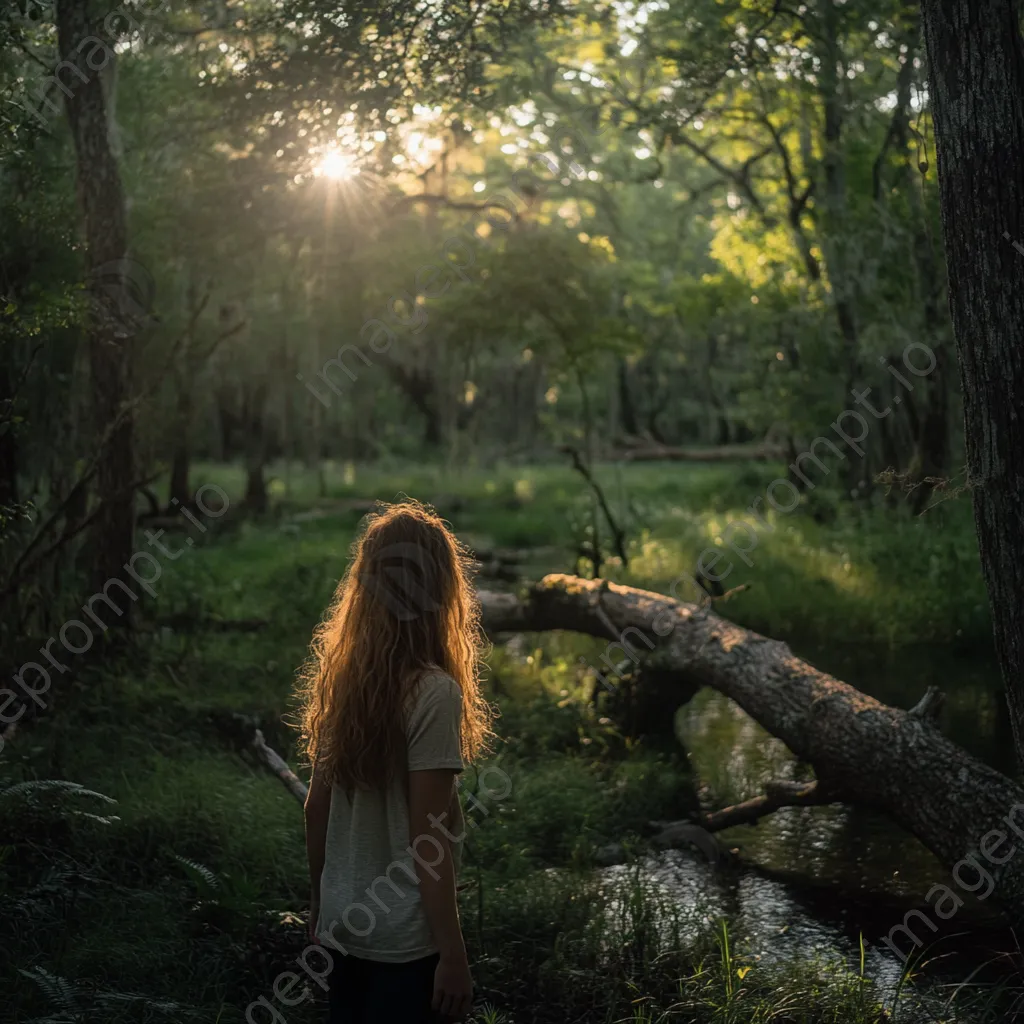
<point x="166" y="880"/>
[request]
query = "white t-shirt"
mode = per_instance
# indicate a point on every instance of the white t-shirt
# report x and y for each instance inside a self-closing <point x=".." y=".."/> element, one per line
<point x="369" y="891"/>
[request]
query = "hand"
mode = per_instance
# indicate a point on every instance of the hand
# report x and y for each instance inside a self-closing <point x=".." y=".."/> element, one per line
<point x="314" y="913"/>
<point x="453" y="987"/>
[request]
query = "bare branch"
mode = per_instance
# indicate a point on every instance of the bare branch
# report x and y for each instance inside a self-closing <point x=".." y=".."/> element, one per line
<point x="277" y="764"/>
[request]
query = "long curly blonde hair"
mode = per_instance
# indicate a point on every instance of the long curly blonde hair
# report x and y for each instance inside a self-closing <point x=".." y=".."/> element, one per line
<point x="404" y="606"/>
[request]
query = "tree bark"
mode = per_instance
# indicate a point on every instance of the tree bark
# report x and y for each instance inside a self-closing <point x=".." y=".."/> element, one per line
<point x="976" y="56"/>
<point x="113" y="306"/>
<point x="863" y="752"/>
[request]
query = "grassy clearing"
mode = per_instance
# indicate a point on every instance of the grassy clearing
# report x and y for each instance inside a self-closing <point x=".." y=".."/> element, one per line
<point x="825" y="572"/>
<point x="188" y="899"/>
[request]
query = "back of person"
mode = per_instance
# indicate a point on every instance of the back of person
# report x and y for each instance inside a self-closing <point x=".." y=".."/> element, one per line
<point x="369" y="890"/>
<point x="392" y="707"/>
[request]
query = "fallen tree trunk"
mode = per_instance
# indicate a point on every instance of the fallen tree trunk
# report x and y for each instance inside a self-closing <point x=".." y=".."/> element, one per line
<point x="863" y="752"/>
<point x="719" y="453"/>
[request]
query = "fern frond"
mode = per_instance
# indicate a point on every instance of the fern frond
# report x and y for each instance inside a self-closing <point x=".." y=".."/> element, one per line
<point x="103" y="820"/>
<point x="57" y="989"/>
<point x="33" y="787"/>
<point x="199" y="873"/>
<point x="134" y="998"/>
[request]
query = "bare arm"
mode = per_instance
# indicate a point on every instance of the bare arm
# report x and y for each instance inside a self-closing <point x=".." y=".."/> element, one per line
<point x="317" y="813"/>
<point x="430" y="796"/>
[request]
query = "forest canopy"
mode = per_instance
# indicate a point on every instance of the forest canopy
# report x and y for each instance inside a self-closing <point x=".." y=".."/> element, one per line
<point x="668" y="224"/>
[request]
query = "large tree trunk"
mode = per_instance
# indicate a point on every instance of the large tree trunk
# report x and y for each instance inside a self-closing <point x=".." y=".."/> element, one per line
<point x="863" y="752"/>
<point x="976" y="56"/>
<point x="113" y="317"/>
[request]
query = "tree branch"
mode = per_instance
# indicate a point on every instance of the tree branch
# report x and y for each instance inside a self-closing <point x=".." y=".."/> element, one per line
<point x="277" y="764"/>
<point x="452" y="204"/>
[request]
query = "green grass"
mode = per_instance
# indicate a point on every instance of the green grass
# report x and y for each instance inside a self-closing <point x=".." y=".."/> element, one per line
<point x="190" y="897"/>
<point x="827" y="571"/>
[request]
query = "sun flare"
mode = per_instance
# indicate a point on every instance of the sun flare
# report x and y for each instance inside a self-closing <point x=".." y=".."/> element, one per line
<point x="336" y="166"/>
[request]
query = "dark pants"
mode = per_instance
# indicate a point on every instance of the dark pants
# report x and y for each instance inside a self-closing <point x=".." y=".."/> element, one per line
<point x="368" y="992"/>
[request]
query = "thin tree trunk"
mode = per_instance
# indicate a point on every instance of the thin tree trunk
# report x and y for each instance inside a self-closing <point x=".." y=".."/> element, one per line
<point x="835" y="240"/>
<point x="254" y="419"/>
<point x="421" y="388"/>
<point x="932" y="455"/>
<point x="8" y="446"/>
<point x="627" y="411"/>
<point x="179" y="489"/>
<point x="112" y="319"/>
<point x="184" y="380"/>
<point x="718" y="422"/>
<point x="976" y="56"/>
<point x="255" y="486"/>
<point x="932" y="450"/>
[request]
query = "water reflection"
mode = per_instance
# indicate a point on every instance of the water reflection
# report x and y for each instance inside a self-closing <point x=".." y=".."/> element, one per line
<point x="769" y="922"/>
<point x="819" y="877"/>
<point x="975" y="716"/>
<point x="855" y="849"/>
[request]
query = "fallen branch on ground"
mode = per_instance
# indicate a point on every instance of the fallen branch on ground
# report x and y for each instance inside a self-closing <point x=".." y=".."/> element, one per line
<point x="717" y="453"/>
<point x="776" y="796"/>
<point x="277" y="764"/>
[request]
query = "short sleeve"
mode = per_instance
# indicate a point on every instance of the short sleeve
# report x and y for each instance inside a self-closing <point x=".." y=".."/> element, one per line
<point x="433" y="725"/>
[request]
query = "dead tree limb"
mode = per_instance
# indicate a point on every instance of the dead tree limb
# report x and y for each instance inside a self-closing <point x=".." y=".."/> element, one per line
<point x="749" y="812"/>
<point x="863" y="752"/>
<point x="277" y="764"/>
<point x="930" y="705"/>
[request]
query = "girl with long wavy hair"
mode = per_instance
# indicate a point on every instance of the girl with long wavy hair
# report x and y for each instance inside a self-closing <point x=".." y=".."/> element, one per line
<point x="391" y="711"/>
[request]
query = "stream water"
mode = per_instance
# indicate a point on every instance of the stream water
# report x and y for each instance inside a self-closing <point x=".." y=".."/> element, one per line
<point x="816" y="879"/>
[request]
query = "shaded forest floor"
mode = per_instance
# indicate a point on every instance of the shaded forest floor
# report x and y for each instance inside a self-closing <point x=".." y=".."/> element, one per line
<point x="187" y="905"/>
